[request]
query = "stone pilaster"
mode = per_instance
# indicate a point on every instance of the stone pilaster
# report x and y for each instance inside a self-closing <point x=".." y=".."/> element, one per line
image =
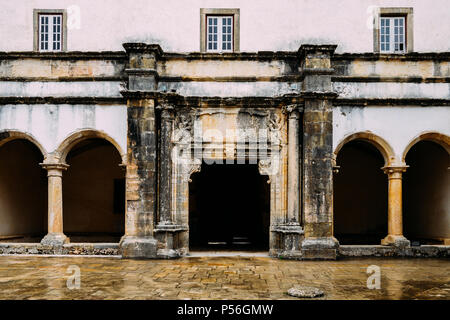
<point x="141" y="177"/>
<point x="395" y="220"/>
<point x="55" y="235"/>
<point x="138" y="241"/>
<point x="319" y="242"/>
<point x="166" y="228"/>
<point x="142" y="66"/>
<point x="289" y="232"/>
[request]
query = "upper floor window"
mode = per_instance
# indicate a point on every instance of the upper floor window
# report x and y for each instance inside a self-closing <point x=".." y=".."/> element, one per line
<point x="219" y="33"/>
<point x="219" y="30"/>
<point x="392" y="34"/>
<point x="393" y="30"/>
<point x="50" y="30"/>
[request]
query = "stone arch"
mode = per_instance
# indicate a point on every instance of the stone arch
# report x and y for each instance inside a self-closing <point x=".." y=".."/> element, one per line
<point x="426" y="185"/>
<point x="439" y="138"/>
<point x="94" y="212"/>
<point x="67" y="144"/>
<point x="21" y="177"/>
<point x="382" y="145"/>
<point x="9" y="135"/>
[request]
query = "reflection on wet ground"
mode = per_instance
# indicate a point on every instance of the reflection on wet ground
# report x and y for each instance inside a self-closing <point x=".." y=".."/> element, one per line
<point x="231" y="277"/>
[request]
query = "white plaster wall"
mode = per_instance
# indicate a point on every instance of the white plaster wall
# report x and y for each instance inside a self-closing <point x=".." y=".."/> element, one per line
<point x="60" y="89"/>
<point x="397" y="125"/>
<point x="51" y="124"/>
<point x="381" y="90"/>
<point x="265" y="24"/>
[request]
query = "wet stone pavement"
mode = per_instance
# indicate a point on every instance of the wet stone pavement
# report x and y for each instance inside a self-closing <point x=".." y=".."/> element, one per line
<point x="39" y="277"/>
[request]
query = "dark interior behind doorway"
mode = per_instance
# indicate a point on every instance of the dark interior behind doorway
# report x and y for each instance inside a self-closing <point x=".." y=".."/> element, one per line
<point x="229" y="208"/>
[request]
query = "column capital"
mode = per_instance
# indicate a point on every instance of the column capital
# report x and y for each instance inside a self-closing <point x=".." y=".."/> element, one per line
<point x="391" y="170"/>
<point x="54" y="168"/>
<point x="291" y="110"/>
<point x="167" y="110"/>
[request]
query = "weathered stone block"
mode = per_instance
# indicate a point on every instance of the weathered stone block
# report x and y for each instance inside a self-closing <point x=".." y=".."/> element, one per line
<point x="138" y="247"/>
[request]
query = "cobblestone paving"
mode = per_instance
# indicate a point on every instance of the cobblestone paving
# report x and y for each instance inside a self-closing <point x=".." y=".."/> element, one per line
<point x="219" y="278"/>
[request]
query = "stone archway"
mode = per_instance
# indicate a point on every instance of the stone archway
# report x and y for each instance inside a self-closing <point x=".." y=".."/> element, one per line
<point x="426" y="188"/>
<point x="23" y="188"/>
<point x="74" y="138"/>
<point x="360" y="194"/>
<point x="192" y="144"/>
<point x="382" y="145"/>
<point x="393" y="169"/>
<point x="94" y="192"/>
<point x="56" y="165"/>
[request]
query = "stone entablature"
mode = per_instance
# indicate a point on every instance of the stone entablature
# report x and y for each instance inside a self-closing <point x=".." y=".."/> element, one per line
<point x="227" y="67"/>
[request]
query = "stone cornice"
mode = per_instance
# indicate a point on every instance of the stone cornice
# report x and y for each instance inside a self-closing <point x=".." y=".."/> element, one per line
<point x="408" y="79"/>
<point x="139" y="47"/>
<point x="327" y="49"/>
<point x="258" y="56"/>
<point x="329" y="95"/>
<point x="244" y="56"/>
<point x="65" y="79"/>
<point x="196" y="101"/>
<point x="67" y="55"/>
<point x="63" y="100"/>
<point x="360" y="102"/>
<point x="413" y="56"/>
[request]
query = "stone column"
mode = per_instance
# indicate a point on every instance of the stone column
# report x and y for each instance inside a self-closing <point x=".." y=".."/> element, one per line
<point x="395" y="224"/>
<point x="317" y="92"/>
<point x="293" y="215"/>
<point x="55" y="235"/>
<point x="166" y="228"/>
<point x="287" y="234"/>
<point x="165" y="166"/>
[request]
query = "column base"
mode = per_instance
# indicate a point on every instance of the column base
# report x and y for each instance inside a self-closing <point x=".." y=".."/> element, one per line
<point x="288" y="239"/>
<point x="396" y="241"/>
<point x="168" y="254"/>
<point x="168" y="235"/>
<point x="286" y="254"/>
<point x="138" y="247"/>
<point x="55" y="239"/>
<point x="323" y="248"/>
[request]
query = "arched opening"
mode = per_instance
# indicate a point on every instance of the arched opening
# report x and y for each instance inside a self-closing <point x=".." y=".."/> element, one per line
<point x="360" y="194"/>
<point x="94" y="192"/>
<point x="426" y="190"/>
<point x="229" y="208"/>
<point x="23" y="192"/>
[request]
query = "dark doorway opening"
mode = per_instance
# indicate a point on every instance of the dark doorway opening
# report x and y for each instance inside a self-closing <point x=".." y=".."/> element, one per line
<point x="229" y="208"/>
<point x="426" y="189"/>
<point x="23" y="193"/>
<point x="360" y="195"/>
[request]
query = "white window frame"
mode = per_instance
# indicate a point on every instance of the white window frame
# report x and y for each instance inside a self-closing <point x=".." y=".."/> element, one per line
<point x="37" y="13"/>
<point x="401" y="37"/>
<point x="54" y="33"/>
<point x="394" y="12"/>
<point x="220" y="33"/>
